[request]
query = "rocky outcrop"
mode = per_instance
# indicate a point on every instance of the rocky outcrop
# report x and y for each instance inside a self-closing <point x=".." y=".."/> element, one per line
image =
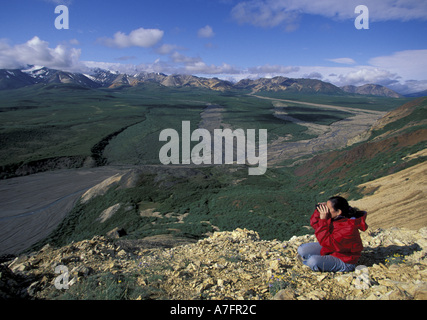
<point x="227" y="265"/>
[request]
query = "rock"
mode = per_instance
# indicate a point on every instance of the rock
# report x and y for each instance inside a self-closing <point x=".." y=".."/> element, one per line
<point x="81" y="270"/>
<point x="398" y="294"/>
<point x="321" y="277"/>
<point x="122" y="253"/>
<point x="274" y="265"/>
<point x="21" y="267"/>
<point x="421" y="294"/>
<point x="315" y="295"/>
<point x="344" y="279"/>
<point x="284" y="294"/>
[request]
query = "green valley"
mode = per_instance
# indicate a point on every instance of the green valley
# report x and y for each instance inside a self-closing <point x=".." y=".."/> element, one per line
<point x="42" y="125"/>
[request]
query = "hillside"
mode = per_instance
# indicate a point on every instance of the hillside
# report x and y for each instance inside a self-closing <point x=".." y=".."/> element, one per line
<point x="398" y="199"/>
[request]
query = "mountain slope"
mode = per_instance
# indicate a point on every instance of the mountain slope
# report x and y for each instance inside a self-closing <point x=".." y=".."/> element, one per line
<point x="13" y="79"/>
<point x="288" y="84"/>
<point x="398" y="199"/>
<point x="45" y="75"/>
<point x="417" y="94"/>
<point x="372" y="89"/>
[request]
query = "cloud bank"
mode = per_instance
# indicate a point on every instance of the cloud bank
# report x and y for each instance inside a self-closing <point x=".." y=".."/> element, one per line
<point x="38" y="52"/>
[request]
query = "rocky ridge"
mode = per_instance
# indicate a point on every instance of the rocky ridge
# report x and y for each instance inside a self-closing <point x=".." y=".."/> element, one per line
<point x="226" y="265"/>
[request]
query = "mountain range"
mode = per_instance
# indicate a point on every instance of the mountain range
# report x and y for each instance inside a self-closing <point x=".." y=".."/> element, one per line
<point x="100" y="78"/>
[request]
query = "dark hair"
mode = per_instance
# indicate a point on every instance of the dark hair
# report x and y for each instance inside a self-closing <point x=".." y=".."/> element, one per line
<point x="340" y="203"/>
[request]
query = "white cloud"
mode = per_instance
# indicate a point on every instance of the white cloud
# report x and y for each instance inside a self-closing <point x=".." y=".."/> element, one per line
<point x="364" y="75"/>
<point x="343" y="60"/>
<point x="313" y="75"/>
<point x="402" y="71"/>
<point x="202" y="68"/>
<point x="409" y="86"/>
<point x="167" y="48"/>
<point x="355" y="75"/>
<point x="410" y="64"/>
<point x="261" y="13"/>
<point x="74" y="42"/>
<point x="195" y="65"/>
<point x="137" y="38"/>
<point x="38" y="52"/>
<point x="125" y="58"/>
<point x="58" y="2"/>
<point x="205" y="32"/>
<point x="272" y="69"/>
<point x="180" y="58"/>
<point x="271" y="13"/>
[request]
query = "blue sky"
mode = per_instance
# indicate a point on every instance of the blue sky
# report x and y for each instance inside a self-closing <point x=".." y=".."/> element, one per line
<point x="230" y="39"/>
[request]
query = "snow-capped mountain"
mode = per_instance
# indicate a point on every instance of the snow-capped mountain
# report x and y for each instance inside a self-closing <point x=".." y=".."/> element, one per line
<point x="17" y="78"/>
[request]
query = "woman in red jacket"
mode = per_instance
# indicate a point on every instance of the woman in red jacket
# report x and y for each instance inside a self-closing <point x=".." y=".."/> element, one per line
<point x="336" y="226"/>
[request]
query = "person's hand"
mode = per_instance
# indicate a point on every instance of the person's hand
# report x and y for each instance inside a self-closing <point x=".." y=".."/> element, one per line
<point x="323" y="211"/>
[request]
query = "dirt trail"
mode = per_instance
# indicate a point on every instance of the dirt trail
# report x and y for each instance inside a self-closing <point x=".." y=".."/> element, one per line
<point x="32" y="206"/>
<point x="328" y="106"/>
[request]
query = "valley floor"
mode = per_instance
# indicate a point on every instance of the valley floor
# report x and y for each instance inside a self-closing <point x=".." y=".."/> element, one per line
<point x="337" y="135"/>
<point x="32" y="206"/>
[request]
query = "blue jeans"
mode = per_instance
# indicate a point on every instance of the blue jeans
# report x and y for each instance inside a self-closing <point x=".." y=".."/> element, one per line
<point x="310" y="253"/>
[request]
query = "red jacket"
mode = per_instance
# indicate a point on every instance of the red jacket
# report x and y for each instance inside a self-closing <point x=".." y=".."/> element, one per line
<point x="340" y="237"/>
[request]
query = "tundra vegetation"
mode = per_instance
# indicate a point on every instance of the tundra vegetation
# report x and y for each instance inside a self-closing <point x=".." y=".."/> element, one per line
<point x="121" y="127"/>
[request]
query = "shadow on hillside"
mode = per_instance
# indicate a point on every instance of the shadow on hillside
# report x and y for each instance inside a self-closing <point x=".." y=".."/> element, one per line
<point x="393" y="253"/>
<point x="15" y="285"/>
